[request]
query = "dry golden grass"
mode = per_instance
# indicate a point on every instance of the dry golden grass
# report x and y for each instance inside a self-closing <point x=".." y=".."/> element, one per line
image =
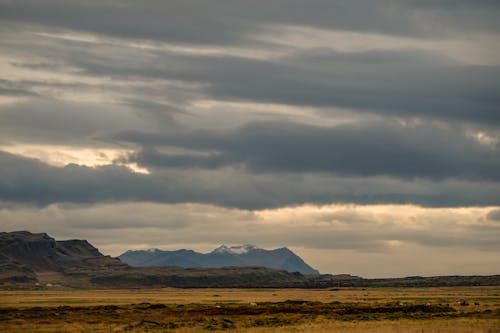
<point x="485" y="296"/>
<point x="406" y="326"/>
<point x="198" y="310"/>
<point x="402" y="326"/>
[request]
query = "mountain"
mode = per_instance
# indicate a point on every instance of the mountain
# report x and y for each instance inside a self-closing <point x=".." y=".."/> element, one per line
<point x="24" y="256"/>
<point x="223" y="256"/>
<point x="38" y="261"/>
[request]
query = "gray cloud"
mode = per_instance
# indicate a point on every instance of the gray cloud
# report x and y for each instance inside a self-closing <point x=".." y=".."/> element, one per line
<point x="362" y="149"/>
<point x="138" y="95"/>
<point x="30" y="181"/>
<point x="43" y="120"/>
<point x="395" y="83"/>
<point x="224" y="22"/>
<point x="7" y="88"/>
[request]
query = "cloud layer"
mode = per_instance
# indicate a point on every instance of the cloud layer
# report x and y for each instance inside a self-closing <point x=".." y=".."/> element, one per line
<point x="251" y="106"/>
<point x="30" y="181"/>
<point x="333" y="238"/>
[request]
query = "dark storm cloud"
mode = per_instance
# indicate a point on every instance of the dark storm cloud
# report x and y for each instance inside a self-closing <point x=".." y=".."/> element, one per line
<point x="100" y="90"/>
<point x="394" y="83"/>
<point x="391" y="83"/>
<point x="367" y="149"/>
<point x="151" y="157"/>
<point x="399" y="82"/>
<point x="179" y="21"/>
<point x="30" y="181"/>
<point x="226" y="21"/>
<point x="27" y="180"/>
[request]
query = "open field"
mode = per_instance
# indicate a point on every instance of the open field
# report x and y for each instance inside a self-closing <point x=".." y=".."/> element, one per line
<point x="253" y="310"/>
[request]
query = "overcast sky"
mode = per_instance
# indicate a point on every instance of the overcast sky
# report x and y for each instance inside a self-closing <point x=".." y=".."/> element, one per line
<point x="363" y="135"/>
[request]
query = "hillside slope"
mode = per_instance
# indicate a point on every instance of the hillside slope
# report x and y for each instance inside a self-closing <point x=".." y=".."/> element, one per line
<point x="23" y="255"/>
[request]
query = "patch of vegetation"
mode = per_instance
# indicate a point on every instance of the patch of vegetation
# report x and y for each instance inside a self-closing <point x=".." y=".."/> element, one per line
<point x="147" y="325"/>
<point x="273" y="321"/>
<point x="219" y="324"/>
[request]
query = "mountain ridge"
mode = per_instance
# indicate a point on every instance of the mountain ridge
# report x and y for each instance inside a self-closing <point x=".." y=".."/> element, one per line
<point x="223" y="256"/>
<point x="38" y="261"/>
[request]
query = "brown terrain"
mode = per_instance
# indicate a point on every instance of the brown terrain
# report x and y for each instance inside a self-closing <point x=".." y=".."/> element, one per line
<point x="443" y="310"/>
<point x="69" y="286"/>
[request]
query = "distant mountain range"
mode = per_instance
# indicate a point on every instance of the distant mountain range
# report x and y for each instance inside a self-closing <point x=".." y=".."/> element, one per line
<point x="223" y="256"/>
<point x="38" y="261"/>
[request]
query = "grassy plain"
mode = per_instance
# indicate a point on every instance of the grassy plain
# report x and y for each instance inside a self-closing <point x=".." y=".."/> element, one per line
<point x="347" y="310"/>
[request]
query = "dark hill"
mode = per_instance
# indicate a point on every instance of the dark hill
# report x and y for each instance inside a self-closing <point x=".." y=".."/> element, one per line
<point x="43" y="253"/>
<point x="23" y="255"/>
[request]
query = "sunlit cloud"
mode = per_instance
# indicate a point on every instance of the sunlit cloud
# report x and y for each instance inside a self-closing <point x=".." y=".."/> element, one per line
<point x="63" y="155"/>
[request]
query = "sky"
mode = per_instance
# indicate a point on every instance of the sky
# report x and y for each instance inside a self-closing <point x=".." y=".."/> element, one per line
<point x="363" y="135"/>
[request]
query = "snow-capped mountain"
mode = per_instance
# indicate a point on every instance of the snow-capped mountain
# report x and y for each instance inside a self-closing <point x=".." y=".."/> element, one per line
<point x="223" y="256"/>
<point x="237" y="249"/>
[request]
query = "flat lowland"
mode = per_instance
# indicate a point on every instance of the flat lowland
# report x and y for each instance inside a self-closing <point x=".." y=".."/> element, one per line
<point x="448" y="309"/>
